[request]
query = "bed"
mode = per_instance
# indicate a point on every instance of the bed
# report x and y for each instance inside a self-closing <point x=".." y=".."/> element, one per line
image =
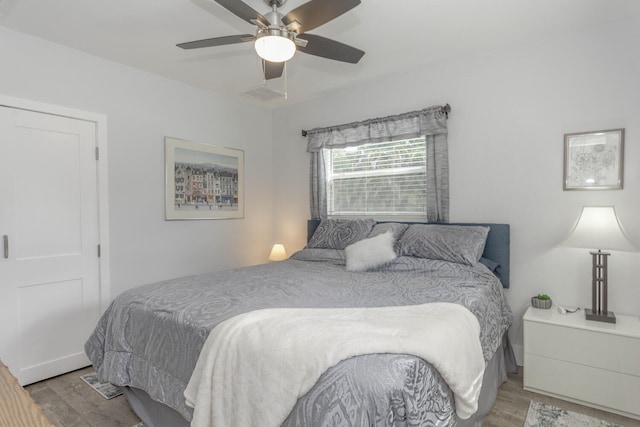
<point x="150" y="338"/>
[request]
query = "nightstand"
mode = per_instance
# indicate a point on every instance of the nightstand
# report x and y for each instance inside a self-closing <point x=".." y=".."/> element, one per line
<point x="592" y="363"/>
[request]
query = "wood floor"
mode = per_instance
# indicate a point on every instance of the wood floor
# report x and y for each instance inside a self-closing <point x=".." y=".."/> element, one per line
<point x="69" y="402"/>
<point x="512" y="405"/>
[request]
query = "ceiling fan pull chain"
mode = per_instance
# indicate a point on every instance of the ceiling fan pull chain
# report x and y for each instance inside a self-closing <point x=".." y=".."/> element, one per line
<point x="264" y="77"/>
<point x="286" y="94"/>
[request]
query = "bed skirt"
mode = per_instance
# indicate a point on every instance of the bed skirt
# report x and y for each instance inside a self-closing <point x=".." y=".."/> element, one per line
<point x="156" y="414"/>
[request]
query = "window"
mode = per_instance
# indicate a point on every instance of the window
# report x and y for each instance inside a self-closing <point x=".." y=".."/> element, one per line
<point x="382" y="179"/>
<point x="377" y="179"/>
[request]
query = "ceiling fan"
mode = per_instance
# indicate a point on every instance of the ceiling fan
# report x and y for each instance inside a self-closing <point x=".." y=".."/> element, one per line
<point x="279" y="36"/>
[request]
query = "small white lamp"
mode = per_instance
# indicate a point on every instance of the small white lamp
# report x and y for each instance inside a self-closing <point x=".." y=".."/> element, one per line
<point x="277" y="253"/>
<point x="599" y="227"/>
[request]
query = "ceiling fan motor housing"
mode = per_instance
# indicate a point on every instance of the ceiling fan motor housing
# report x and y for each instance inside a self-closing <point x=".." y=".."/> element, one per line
<point x="273" y="31"/>
<point x="276" y="3"/>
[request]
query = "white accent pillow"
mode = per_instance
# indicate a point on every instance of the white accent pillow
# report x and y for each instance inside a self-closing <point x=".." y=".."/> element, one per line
<point x="370" y="253"/>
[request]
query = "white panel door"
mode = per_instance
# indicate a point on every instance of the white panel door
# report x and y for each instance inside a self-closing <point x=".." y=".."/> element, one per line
<point x="49" y="270"/>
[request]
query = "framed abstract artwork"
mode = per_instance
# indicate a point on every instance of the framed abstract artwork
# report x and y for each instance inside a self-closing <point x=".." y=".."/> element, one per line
<point x="203" y="181"/>
<point x="594" y="160"/>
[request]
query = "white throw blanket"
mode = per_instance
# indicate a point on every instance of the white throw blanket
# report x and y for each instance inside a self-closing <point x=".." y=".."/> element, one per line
<point x="254" y="366"/>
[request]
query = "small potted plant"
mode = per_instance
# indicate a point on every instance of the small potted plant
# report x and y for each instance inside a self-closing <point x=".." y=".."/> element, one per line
<point x="541" y="301"/>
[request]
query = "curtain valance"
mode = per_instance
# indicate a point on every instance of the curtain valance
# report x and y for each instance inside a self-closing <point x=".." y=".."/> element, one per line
<point x="430" y="121"/>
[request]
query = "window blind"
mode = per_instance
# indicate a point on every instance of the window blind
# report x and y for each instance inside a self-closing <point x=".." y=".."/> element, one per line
<point x="377" y="179"/>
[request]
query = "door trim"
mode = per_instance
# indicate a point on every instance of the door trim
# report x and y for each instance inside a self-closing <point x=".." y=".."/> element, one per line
<point x="100" y="121"/>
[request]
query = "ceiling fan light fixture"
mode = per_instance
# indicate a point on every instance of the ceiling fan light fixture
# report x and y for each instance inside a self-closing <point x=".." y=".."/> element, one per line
<point x="275" y="45"/>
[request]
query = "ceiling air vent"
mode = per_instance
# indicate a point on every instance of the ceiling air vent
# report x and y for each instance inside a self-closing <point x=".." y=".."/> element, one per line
<point x="262" y="94"/>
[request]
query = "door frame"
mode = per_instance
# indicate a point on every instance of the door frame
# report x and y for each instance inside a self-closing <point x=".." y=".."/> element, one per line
<point x="100" y="121"/>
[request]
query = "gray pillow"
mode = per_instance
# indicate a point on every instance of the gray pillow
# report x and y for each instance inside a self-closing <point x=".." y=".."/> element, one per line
<point x="491" y="265"/>
<point x="396" y="228"/>
<point x="340" y="233"/>
<point x="453" y="243"/>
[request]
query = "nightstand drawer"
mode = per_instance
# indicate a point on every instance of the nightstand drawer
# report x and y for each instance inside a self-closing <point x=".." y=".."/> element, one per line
<point x="585" y="347"/>
<point x="593" y="363"/>
<point x="597" y="387"/>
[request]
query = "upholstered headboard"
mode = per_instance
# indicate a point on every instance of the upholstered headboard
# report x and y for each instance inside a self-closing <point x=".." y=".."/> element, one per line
<point x="496" y="249"/>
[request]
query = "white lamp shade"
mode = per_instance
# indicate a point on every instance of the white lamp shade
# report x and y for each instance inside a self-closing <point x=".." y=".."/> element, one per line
<point x="277" y="253"/>
<point x="598" y="228"/>
<point x="275" y="48"/>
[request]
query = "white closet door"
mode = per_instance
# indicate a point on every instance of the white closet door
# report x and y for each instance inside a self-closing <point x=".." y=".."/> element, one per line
<point x="49" y="278"/>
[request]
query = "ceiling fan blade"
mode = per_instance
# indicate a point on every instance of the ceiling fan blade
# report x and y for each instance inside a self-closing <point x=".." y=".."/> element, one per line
<point x="216" y="41"/>
<point x="243" y="11"/>
<point x="272" y="70"/>
<point x="314" y="13"/>
<point x="330" y="49"/>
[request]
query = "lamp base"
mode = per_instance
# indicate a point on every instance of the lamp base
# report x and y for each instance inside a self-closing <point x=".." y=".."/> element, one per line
<point x="600" y="317"/>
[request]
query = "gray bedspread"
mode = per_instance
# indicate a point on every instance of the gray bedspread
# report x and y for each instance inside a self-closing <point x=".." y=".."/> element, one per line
<point x="150" y="337"/>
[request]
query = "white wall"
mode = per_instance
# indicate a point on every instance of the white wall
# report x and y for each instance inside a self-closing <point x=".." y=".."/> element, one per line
<point x="510" y="110"/>
<point x="141" y="109"/>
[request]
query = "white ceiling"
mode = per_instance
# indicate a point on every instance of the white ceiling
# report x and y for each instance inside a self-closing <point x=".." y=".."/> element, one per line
<point x="396" y="36"/>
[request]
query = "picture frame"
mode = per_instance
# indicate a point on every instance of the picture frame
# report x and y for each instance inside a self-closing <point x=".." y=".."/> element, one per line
<point x="594" y="160"/>
<point x="202" y="181"/>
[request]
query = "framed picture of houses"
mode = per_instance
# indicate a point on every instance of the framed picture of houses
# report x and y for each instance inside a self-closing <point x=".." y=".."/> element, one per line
<point x="203" y="181"/>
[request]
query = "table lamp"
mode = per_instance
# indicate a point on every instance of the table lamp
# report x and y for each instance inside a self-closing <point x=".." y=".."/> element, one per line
<point x="277" y="253"/>
<point x="599" y="227"/>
